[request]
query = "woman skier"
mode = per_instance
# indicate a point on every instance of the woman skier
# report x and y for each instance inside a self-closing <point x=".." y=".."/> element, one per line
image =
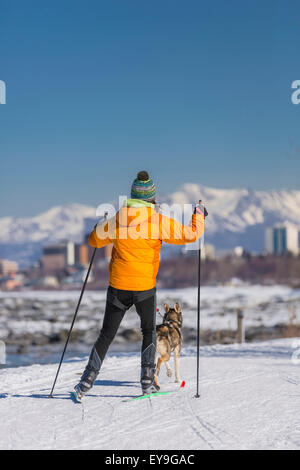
<point x="137" y="232"/>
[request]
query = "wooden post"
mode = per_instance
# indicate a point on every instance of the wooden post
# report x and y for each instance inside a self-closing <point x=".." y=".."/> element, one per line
<point x="240" y="326"/>
<point x="2" y="353"/>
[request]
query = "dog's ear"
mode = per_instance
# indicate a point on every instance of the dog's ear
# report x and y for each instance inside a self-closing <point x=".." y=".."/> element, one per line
<point x="177" y="307"/>
<point x="167" y="308"/>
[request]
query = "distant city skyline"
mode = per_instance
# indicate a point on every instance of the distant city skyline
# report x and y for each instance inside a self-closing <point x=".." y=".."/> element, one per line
<point x="190" y="91"/>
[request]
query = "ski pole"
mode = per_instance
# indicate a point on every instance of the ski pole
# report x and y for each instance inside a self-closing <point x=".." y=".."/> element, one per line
<point x="198" y="318"/>
<point x="198" y="310"/>
<point x="74" y="318"/>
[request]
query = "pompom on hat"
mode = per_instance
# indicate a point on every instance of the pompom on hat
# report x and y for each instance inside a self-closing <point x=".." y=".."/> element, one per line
<point x="143" y="187"/>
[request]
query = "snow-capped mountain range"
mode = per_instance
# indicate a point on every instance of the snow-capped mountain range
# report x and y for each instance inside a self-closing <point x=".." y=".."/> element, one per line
<point x="236" y="210"/>
<point x="57" y="223"/>
<point x="236" y="217"/>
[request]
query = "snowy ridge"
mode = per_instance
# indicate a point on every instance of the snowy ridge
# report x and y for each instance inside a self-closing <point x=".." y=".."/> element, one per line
<point x="237" y="209"/>
<point x="249" y="400"/>
<point x="229" y="209"/>
<point x="236" y="217"/>
<point x="60" y="222"/>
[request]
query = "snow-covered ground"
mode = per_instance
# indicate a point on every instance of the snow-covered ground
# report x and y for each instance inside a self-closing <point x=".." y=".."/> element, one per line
<point x="49" y="312"/>
<point x="250" y="399"/>
<point x="262" y="305"/>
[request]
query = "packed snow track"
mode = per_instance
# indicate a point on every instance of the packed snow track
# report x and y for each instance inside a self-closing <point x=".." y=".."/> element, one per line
<point x="250" y="399"/>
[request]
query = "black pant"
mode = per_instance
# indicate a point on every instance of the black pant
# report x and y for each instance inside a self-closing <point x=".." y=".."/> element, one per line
<point x="117" y="302"/>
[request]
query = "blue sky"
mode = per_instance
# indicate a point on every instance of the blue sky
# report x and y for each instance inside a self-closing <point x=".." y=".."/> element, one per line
<point x="192" y="91"/>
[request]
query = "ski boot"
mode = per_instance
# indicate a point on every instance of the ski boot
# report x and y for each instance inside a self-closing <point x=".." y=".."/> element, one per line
<point x="86" y="382"/>
<point x="78" y="394"/>
<point x="148" y="381"/>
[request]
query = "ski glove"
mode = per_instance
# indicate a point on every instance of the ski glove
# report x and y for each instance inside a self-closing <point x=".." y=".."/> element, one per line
<point x="200" y="209"/>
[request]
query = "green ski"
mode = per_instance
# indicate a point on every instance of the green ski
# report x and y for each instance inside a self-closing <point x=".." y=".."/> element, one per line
<point x="156" y="394"/>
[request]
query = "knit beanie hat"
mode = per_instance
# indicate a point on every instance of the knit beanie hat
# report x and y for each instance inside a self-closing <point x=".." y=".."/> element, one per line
<point x="143" y="187"/>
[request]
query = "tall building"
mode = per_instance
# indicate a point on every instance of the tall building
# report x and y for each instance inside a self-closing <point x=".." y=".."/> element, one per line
<point x="8" y="267"/>
<point x="282" y="238"/>
<point x="58" y="256"/>
<point x="81" y="254"/>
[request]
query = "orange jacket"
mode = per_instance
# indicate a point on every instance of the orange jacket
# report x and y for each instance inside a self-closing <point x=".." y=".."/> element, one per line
<point x="137" y="234"/>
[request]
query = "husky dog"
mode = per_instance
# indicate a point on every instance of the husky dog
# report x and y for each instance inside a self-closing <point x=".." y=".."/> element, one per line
<point x="169" y="338"/>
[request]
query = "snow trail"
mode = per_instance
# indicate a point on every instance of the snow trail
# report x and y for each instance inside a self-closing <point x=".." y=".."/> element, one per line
<point x="250" y="399"/>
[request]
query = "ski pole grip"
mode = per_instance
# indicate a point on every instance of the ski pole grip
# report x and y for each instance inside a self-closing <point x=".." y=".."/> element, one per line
<point x="203" y="208"/>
